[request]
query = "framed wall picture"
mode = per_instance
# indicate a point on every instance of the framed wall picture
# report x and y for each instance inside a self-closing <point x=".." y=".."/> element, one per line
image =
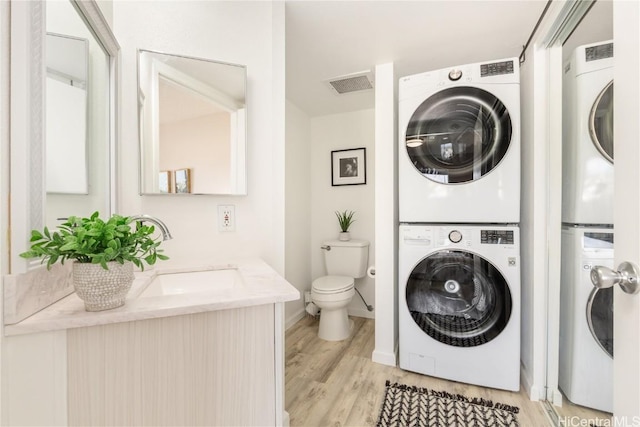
<point x="349" y="167"/>
<point x="165" y="182"/>
<point x="183" y="181"/>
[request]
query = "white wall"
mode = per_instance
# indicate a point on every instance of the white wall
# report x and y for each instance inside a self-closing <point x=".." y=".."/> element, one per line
<point x="297" y="207"/>
<point x="249" y="33"/>
<point x="339" y="132"/>
<point x="4" y="170"/>
<point x="386" y="205"/>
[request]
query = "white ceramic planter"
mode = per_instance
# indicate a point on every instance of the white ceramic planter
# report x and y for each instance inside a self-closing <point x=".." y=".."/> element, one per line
<point x="102" y="289"/>
<point x="344" y="236"/>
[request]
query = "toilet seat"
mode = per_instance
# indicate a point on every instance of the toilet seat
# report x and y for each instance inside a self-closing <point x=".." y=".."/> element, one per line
<point x="332" y="284"/>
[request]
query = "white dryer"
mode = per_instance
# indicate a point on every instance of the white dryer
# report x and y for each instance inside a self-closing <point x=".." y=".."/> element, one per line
<point x="587" y="156"/>
<point x="586" y="319"/>
<point x="459" y="303"/>
<point x="459" y="142"/>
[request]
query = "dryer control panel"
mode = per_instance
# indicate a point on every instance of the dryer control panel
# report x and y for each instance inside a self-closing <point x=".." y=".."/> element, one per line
<point x="496" y="237"/>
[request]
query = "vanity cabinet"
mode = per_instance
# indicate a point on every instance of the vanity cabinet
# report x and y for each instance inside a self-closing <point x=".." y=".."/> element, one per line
<point x="214" y="368"/>
<point x="210" y="357"/>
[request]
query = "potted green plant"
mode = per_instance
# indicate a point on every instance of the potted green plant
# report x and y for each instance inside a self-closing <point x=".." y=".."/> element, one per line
<point x="345" y="219"/>
<point x="103" y="252"/>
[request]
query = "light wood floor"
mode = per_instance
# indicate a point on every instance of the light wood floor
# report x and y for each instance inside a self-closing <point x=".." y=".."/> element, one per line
<point x="569" y="411"/>
<point x="337" y="384"/>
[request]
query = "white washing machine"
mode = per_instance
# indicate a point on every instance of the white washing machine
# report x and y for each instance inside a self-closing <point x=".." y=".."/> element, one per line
<point x="459" y="303"/>
<point x="587" y="159"/>
<point x="586" y="319"/>
<point x="459" y="142"/>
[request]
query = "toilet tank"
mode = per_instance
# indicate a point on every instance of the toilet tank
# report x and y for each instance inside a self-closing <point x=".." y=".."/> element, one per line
<point x="348" y="258"/>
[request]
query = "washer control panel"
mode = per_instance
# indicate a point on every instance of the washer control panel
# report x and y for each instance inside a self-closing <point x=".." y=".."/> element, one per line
<point x="496" y="237"/>
<point x="455" y="74"/>
<point x="455" y="236"/>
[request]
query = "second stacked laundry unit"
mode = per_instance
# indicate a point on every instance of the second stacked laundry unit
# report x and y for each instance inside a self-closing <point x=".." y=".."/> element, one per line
<point x="586" y="342"/>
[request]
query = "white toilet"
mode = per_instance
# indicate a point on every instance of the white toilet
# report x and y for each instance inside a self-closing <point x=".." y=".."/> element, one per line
<point x="345" y="262"/>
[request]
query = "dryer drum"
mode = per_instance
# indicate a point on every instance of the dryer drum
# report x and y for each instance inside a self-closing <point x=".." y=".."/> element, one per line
<point x="458" y="135"/>
<point x="601" y="122"/>
<point x="600" y="318"/>
<point x="458" y="298"/>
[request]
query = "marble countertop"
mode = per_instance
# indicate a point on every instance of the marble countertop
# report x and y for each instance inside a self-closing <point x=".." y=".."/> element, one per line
<point x="260" y="285"/>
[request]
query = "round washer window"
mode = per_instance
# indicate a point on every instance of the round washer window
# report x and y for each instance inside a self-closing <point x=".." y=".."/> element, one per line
<point x="600" y="318"/>
<point x="601" y="122"/>
<point x="458" y="298"/>
<point x="458" y="135"/>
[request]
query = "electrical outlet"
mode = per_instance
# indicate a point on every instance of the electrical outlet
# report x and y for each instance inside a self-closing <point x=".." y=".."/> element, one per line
<point x="226" y="218"/>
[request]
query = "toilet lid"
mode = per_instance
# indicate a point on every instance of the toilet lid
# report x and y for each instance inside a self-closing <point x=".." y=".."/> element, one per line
<point x="332" y="284"/>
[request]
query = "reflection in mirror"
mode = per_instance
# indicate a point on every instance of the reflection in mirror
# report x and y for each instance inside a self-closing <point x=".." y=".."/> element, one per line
<point x="66" y="114"/>
<point x="77" y="155"/>
<point x="192" y="125"/>
<point x="586" y="315"/>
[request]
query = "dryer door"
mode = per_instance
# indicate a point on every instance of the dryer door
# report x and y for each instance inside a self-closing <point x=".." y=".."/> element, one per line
<point x="458" y="298"/>
<point x="601" y="122"/>
<point x="458" y="135"/>
<point x="600" y="318"/>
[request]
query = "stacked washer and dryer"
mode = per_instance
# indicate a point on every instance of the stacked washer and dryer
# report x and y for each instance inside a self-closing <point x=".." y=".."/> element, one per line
<point x="586" y="313"/>
<point x="459" y="207"/>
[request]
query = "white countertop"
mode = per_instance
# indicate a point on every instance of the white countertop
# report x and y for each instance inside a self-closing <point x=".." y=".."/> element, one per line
<point x="260" y="285"/>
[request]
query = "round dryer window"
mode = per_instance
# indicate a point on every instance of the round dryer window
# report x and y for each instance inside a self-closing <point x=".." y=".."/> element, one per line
<point x="600" y="318"/>
<point x="601" y="122"/>
<point x="458" y="135"/>
<point x="458" y="298"/>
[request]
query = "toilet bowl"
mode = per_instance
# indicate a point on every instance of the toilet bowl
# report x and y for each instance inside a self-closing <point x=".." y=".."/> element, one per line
<point x="345" y="261"/>
<point x="332" y="294"/>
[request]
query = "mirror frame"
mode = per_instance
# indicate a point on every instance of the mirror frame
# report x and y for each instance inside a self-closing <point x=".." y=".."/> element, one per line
<point x="28" y="72"/>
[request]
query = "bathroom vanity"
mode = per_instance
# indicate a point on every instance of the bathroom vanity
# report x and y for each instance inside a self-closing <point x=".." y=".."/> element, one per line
<point x="191" y="346"/>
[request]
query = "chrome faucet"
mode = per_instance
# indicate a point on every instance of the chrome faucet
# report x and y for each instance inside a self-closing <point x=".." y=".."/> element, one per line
<point x="161" y="225"/>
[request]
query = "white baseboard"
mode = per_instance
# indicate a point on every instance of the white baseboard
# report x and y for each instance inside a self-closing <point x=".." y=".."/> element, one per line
<point x="294" y="318"/>
<point x="554" y="396"/>
<point x="384" y="358"/>
<point x="361" y="312"/>
<point x="535" y="392"/>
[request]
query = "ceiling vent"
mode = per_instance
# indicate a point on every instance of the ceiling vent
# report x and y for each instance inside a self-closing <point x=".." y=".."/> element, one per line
<point x="354" y="82"/>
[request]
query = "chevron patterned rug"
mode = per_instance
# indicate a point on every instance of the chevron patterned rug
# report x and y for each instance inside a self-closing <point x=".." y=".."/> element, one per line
<point x="410" y="406"/>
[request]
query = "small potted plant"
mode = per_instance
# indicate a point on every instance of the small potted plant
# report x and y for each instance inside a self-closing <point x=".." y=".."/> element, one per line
<point x="345" y="219"/>
<point x="104" y="253"/>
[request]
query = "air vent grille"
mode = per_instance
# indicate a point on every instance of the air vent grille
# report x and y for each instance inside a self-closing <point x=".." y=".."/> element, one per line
<point x="351" y="83"/>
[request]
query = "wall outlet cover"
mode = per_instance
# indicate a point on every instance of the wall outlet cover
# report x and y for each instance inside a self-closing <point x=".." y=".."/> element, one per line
<point x="226" y="218"/>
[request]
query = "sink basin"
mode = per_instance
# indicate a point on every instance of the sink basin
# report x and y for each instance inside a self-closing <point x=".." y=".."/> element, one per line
<point x="191" y="282"/>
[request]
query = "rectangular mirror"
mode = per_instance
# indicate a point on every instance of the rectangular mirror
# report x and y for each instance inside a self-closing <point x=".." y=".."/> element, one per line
<point x="78" y="112"/>
<point x="192" y="125"/>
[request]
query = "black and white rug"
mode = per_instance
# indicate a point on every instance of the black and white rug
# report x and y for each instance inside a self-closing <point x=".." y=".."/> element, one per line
<point x="410" y="406"/>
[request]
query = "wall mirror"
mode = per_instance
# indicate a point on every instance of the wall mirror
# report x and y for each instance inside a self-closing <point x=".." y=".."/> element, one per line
<point x="63" y="85"/>
<point x="192" y="125"/>
<point x="77" y="107"/>
<point x="585" y="324"/>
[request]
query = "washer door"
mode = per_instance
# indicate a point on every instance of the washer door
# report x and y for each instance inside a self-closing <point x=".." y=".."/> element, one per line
<point x="600" y="318"/>
<point x="601" y="122"/>
<point x="458" y="135"/>
<point x="458" y="298"/>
